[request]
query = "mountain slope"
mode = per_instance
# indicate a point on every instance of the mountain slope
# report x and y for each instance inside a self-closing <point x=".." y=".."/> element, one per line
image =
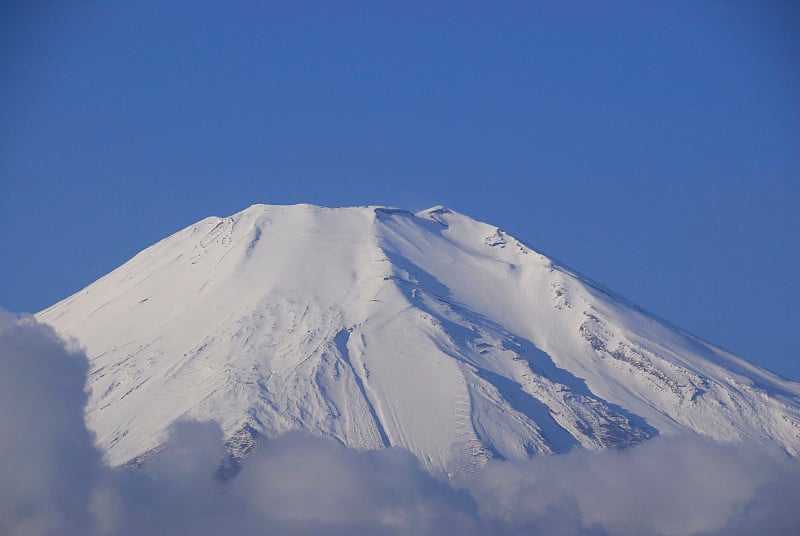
<point x="379" y="327"/>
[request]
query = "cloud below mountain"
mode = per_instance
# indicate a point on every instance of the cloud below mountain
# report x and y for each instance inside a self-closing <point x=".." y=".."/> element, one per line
<point x="54" y="480"/>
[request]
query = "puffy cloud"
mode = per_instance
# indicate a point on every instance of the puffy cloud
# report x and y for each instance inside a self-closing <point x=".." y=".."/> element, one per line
<point x="175" y="492"/>
<point x="670" y="486"/>
<point x="47" y="458"/>
<point x="297" y="484"/>
<point x="53" y="480"/>
<point x="304" y="484"/>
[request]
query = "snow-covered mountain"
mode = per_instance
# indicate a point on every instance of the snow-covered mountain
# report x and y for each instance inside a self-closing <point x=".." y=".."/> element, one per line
<point x="378" y="327"/>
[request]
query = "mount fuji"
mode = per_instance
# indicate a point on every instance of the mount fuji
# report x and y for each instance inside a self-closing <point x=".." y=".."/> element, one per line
<point x="378" y="327"/>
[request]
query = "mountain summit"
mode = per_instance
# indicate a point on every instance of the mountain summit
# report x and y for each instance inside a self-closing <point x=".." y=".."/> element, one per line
<point x="378" y="327"/>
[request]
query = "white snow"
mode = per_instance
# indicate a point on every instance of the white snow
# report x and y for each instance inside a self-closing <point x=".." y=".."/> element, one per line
<point x="377" y="327"/>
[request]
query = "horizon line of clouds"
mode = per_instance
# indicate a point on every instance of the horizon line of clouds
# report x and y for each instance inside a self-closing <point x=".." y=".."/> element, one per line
<point x="53" y="479"/>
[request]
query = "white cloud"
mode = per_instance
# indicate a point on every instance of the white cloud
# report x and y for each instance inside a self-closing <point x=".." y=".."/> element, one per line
<point x="47" y="457"/>
<point x="53" y="480"/>
<point x="302" y="483"/>
<point x="670" y="486"/>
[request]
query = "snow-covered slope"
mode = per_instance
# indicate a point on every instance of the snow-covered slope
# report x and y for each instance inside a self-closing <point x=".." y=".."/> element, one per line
<point x="377" y="327"/>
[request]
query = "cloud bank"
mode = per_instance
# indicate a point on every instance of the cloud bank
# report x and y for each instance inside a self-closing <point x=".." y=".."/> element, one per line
<point x="53" y="481"/>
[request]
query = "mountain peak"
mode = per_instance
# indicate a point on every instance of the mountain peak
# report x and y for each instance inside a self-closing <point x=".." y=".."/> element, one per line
<point x="436" y="209"/>
<point x="378" y="327"/>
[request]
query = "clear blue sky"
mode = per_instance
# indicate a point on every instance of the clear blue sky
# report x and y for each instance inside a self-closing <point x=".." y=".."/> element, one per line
<point x="653" y="146"/>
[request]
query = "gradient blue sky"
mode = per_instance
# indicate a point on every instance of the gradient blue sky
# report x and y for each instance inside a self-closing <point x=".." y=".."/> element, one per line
<point x="653" y="146"/>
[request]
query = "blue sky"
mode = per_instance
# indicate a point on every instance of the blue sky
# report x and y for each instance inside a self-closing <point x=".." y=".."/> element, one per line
<point x="654" y="147"/>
